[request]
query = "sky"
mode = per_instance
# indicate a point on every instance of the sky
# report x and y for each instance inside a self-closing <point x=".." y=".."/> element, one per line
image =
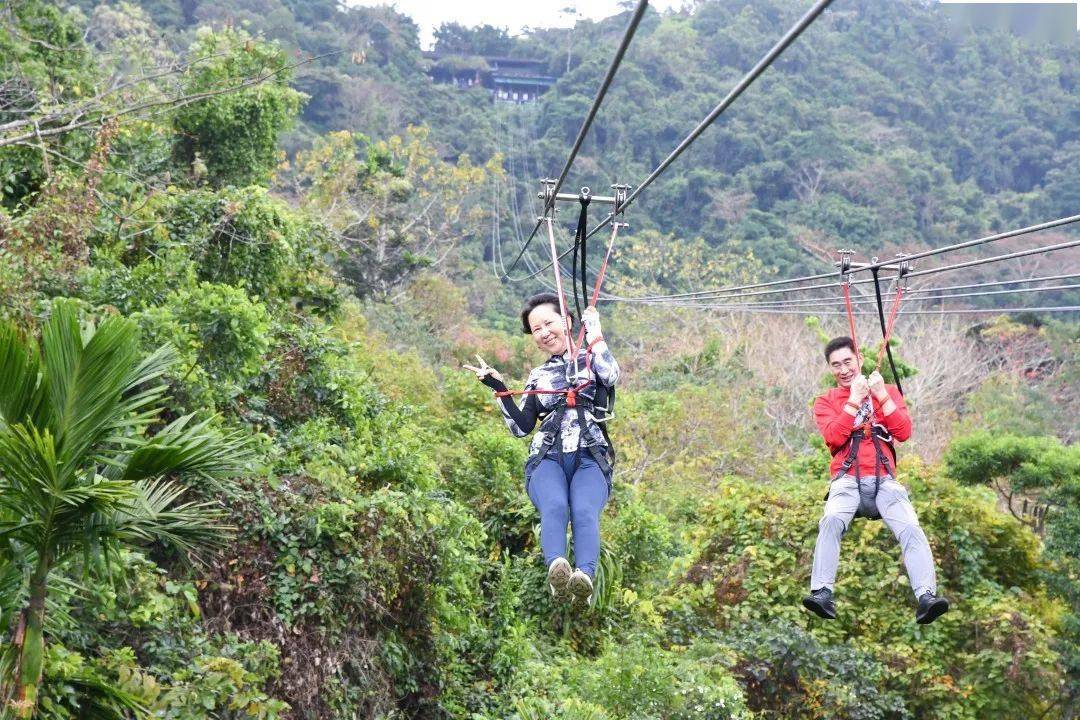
<point x="512" y="14"/>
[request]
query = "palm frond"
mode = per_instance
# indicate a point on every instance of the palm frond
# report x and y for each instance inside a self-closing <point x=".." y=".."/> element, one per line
<point x="20" y="372"/>
<point x="155" y="514"/>
<point x="185" y="448"/>
<point x="87" y="371"/>
<point x="100" y="699"/>
<point x="12" y="585"/>
<point x="28" y="470"/>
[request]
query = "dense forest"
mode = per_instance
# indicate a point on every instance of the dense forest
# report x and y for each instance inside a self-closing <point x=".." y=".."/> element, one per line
<point x="245" y="247"/>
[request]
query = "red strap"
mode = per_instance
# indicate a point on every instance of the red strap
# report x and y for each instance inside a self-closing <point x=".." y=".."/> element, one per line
<point x="600" y="278"/>
<point x="569" y="391"/>
<point x="858" y="355"/>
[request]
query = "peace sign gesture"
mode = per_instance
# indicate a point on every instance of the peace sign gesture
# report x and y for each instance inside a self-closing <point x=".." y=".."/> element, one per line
<point x="483" y="371"/>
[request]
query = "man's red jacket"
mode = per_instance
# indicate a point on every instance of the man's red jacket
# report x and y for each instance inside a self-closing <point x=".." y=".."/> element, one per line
<point x="836" y="426"/>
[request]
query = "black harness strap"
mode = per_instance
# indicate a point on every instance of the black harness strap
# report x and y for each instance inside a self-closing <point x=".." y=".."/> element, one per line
<point x="884" y="332"/>
<point x="580" y="245"/>
<point x="881" y="439"/>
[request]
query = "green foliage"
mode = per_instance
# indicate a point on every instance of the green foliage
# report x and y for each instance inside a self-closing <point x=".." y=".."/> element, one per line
<point x="641" y="681"/>
<point x="221" y="335"/>
<point x="1048" y="472"/>
<point x="231" y="138"/>
<point x="751" y="563"/>
<point x="386" y="563"/>
<point x="45" y="64"/>
<point x="1026" y="463"/>
<point x="789" y="673"/>
<point x="80" y="478"/>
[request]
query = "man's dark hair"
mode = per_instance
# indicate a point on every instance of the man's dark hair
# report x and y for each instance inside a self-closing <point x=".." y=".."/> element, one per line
<point x="839" y="342"/>
<point x="534" y="302"/>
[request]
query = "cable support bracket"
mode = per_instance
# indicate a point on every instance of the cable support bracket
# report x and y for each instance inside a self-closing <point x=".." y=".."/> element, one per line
<point x="549" y="197"/>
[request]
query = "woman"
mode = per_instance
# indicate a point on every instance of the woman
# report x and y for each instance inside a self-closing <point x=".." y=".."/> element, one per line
<point x="568" y="473"/>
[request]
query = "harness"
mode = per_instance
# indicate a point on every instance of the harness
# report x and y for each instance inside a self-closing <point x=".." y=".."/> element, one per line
<point x="603" y="403"/>
<point x="878" y="434"/>
<point x="572" y="399"/>
<point x="882" y="440"/>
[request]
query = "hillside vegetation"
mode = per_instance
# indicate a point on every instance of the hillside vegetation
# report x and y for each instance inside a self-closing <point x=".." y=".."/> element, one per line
<point x="345" y="533"/>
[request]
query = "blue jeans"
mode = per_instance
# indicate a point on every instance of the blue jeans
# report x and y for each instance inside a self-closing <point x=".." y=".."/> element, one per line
<point x="572" y="489"/>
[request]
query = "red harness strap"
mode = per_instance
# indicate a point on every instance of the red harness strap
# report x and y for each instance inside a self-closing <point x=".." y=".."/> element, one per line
<point x="851" y="318"/>
<point x="570" y="393"/>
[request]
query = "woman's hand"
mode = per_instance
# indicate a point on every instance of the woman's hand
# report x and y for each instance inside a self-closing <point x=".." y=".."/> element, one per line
<point x="591" y="320"/>
<point x="484" y="370"/>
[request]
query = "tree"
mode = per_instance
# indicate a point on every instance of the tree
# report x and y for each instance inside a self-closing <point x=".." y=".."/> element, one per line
<point x="235" y="134"/>
<point x="455" y="38"/>
<point x="80" y="477"/>
<point x="395" y="206"/>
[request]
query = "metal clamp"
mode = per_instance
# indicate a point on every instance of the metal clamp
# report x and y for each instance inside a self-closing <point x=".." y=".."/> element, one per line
<point x="548" y="193"/>
<point x="905" y="266"/>
<point x="549" y="196"/>
<point x="844" y="263"/>
<point x="621" y="193"/>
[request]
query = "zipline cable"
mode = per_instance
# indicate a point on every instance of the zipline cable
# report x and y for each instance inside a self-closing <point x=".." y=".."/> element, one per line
<point x="789" y="37"/>
<point x="910" y="258"/>
<point x="829" y="302"/>
<point x="745" y="310"/>
<point x="945" y="268"/>
<point x="631" y="28"/>
<point x="914" y="295"/>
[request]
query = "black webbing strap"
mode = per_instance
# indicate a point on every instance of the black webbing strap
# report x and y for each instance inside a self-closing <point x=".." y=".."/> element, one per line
<point x="884" y="335"/>
<point x="880" y="459"/>
<point x="581" y="246"/>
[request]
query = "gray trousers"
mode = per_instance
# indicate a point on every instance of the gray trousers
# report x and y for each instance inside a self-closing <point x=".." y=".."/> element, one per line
<point x="892" y="504"/>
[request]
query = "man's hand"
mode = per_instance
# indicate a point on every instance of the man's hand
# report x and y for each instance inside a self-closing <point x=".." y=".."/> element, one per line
<point x="860" y="388"/>
<point x="483" y="370"/>
<point x="591" y="320"/>
<point x="877" y="386"/>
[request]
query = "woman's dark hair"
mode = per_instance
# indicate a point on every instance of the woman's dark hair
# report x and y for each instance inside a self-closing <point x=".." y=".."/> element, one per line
<point x="536" y="301"/>
<point x="837" y="343"/>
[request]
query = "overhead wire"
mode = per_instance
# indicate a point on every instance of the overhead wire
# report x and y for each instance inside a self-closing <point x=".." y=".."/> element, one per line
<point x="749" y="309"/>
<point x="739" y="289"/>
<point x="816" y="302"/>
<point x="789" y="37"/>
<point x="628" y="35"/>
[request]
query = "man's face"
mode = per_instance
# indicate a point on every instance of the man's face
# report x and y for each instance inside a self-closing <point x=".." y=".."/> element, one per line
<point x="844" y="365"/>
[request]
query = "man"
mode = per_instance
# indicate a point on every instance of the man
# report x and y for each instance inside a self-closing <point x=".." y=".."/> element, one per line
<point x="859" y="419"/>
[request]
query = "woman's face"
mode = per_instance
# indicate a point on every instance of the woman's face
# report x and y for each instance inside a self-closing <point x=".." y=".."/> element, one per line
<point x="548" y="330"/>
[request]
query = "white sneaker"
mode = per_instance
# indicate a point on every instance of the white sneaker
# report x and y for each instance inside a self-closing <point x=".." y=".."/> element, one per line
<point x="580" y="586"/>
<point x="559" y="573"/>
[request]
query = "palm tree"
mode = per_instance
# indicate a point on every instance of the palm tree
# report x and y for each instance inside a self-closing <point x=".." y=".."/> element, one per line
<point x="80" y="477"/>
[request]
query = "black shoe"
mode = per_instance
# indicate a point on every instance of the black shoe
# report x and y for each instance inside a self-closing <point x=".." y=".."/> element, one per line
<point x="820" y="603"/>
<point x="931" y="607"/>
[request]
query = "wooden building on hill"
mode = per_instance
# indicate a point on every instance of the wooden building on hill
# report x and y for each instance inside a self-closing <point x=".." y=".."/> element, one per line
<point x="516" y="80"/>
